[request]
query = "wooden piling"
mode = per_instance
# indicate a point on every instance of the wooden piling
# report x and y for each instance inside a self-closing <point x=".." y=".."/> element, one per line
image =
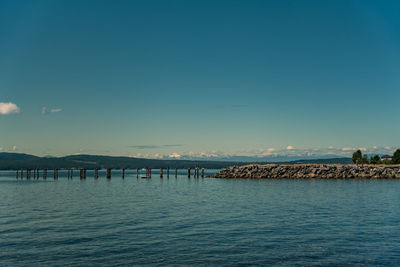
<point x="161" y="174"/>
<point x="17" y="174"/>
<point x="96" y="173"/>
<point x="108" y="173"/>
<point x="44" y="174"/>
<point x="188" y="170"/>
<point x="137" y="172"/>
<point x="167" y="172"/>
<point x="123" y="173"/>
<point x="176" y="172"/>
<point x="202" y="172"/>
<point x="70" y="174"/>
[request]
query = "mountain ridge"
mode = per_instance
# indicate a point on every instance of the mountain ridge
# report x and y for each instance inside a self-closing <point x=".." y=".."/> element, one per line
<point x="13" y="161"/>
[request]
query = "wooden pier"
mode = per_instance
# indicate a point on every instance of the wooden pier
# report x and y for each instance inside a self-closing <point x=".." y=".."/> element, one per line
<point x="35" y="173"/>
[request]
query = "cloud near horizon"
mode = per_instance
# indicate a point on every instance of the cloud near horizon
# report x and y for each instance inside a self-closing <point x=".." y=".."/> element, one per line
<point x="155" y="146"/>
<point x="272" y="153"/>
<point x="175" y="156"/>
<point x="9" y="108"/>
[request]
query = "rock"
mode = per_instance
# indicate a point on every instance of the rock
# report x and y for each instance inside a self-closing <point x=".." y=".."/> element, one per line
<point x="311" y="171"/>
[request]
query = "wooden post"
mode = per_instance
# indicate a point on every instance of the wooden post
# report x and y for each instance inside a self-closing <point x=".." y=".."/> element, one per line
<point x="108" y="173"/>
<point x="37" y="175"/>
<point x="161" y="174"/>
<point x="123" y="173"/>
<point x="17" y="174"/>
<point x="167" y="172"/>
<point x="137" y="172"/>
<point x="96" y="173"/>
<point x="202" y="172"/>
<point x="150" y="172"/>
<point x="188" y="170"/>
<point x="72" y="170"/>
<point x="44" y="174"/>
<point x="176" y="172"/>
<point x="27" y="174"/>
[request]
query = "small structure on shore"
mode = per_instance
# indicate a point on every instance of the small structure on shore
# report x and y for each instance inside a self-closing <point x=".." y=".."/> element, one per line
<point x="386" y="158"/>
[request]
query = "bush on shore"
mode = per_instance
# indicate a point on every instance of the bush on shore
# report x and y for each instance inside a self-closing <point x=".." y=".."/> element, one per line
<point x="359" y="158"/>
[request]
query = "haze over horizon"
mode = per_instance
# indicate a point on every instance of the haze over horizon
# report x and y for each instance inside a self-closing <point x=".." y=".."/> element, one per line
<point x="199" y="79"/>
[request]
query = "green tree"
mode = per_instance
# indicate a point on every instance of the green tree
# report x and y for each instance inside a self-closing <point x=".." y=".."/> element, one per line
<point x="396" y="157"/>
<point x="364" y="159"/>
<point x="375" y="159"/>
<point x="357" y="156"/>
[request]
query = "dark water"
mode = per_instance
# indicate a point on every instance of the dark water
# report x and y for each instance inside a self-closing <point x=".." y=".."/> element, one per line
<point x="198" y="221"/>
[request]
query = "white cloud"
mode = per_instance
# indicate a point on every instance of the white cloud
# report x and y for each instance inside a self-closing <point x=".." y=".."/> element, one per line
<point x="347" y="149"/>
<point x="363" y="149"/>
<point x="290" y="147"/>
<point x="9" y="108"/>
<point x="53" y="110"/>
<point x="158" y="156"/>
<point x="14" y="148"/>
<point x="175" y="156"/>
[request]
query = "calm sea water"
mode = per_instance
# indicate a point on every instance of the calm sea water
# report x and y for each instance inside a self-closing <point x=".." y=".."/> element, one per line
<point x="198" y="221"/>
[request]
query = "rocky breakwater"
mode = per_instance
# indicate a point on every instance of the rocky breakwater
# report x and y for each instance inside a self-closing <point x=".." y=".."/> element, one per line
<point x="306" y="171"/>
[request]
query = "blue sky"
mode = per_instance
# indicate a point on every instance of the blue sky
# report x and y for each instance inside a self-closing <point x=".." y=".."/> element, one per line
<point x="199" y="78"/>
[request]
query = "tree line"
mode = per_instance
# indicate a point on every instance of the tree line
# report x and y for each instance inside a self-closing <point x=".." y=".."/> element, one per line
<point x="359" y="158"/>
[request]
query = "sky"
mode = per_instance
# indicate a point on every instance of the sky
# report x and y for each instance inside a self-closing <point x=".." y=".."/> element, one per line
<point x="208" y="79"/>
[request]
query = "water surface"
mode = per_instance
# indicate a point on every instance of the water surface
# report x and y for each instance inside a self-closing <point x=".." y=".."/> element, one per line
<point x="181" y="221"/>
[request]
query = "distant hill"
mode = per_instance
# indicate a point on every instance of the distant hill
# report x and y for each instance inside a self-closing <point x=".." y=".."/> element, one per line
<point x="322" y="161"/>
<point x="13" y="161"/>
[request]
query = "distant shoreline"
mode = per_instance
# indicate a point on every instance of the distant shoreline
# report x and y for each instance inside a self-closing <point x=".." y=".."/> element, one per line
<point x="309" y="171"/>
